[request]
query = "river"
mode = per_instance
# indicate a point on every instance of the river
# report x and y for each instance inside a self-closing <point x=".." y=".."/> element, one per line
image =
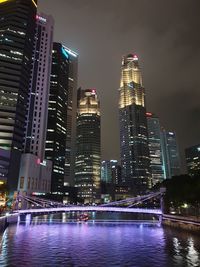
<point x="54" y="241"/>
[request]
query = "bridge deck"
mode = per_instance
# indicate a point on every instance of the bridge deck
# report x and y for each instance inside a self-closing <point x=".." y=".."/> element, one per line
<point x="91" y="208"/>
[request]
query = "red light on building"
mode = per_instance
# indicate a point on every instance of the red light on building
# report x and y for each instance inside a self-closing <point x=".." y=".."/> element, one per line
<point x="149" y="114"/>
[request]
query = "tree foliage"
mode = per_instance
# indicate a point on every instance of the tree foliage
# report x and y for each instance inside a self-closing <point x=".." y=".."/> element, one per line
<point x="182" y="189"/>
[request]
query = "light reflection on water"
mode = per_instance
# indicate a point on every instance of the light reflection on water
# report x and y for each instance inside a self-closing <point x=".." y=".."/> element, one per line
<point x="50" y="241"/>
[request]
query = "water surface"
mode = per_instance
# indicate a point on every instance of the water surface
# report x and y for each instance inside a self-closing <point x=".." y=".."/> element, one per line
<point x="52" y="241"/>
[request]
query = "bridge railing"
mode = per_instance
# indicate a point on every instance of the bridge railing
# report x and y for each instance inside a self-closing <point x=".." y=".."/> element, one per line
<point x="90" y="209"/>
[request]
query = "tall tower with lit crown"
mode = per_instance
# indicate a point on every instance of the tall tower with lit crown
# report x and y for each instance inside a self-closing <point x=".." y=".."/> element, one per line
<point x="88" y="148"/>
<point x="133" y="126"/>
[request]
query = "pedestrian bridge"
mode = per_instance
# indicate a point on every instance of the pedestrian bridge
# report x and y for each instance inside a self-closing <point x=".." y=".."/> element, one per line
<point x="35" y="205"/>
<point x="90" y="208"/>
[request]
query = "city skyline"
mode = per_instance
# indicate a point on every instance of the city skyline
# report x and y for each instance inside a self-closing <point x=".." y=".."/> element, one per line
<point x="157" y="46"/>
<point x="65" y="198"/>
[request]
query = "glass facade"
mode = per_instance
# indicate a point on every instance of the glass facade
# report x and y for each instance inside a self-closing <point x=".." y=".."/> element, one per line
<point x="37" y="109"/>
<point x="110" y="171"/>
<point x="155" y="149"/>
<point x="57" y="117"/>
<point x="88" y="147"/>
<point x="171" y="158"/>
<point x="192" y="155"/>
<point x="17" y="30"/>
<point x="71" y="115"/>
<point x="134" y="148"/>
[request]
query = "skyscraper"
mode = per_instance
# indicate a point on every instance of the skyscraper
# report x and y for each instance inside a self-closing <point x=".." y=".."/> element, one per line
<point x="35" y="171"/>
<point x="155" y="149"/>
<point x="71" y="116"/>
<point x="133" y="126"/>
<point x="110" y="171"/>
<point x="171" y="158"/>
<point x="192" y="155"/>
<point x="57" y="116"/>
<point x="37" y="109"/>
<point x="17" y="30"/>
<point x="110" y="178"/>
<point x="88" y="149"/>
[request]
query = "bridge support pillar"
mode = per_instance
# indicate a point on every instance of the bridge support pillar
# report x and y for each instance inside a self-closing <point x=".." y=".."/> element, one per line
<point x="162" y="204"/>
<point x="162" y="190"/>
<point x="25" y="218"/>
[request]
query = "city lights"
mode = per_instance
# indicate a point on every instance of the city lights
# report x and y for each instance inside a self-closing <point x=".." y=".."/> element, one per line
<point x="88" y="175"/>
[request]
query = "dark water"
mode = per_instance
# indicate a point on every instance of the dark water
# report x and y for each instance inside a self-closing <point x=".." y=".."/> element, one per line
<point x="51" y="241"/>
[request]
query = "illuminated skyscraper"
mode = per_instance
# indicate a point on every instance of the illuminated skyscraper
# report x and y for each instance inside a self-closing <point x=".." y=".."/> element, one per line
<point x="71" y="116"/>
<point x="155" y="149"/>
<point x="88" y="149"/>
<point x="17" y="30"/>
<point x="192" y="155"/>
<point x="133" y="126"/>
<point x="37" y="109"/>
<point x="57" y="117"/>
<point x="110" y="171"/>
<point x="171" y="158"/>
<point x="35" y="172"/>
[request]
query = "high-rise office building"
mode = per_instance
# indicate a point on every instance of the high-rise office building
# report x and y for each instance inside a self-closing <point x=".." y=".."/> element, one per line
<point x="110" y="171"/>
<point x="134" y="149"/>
<point x="37" y="109"/>
<point x="88" y="149"/>
<point x="110" y="178"/>
<point x="71" y="117"/>
<point x="57" y="117"/>
<point x="155" y="148"/>
<point x="35" y="171"/>
<point x="17" y="31"/>
<point x="192" y="155"/>
<point x="171" y="158"/>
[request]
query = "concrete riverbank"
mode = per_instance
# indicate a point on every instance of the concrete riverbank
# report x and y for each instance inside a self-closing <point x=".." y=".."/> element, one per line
<point x="6" y="220"/>
<point x="185" y="223"/>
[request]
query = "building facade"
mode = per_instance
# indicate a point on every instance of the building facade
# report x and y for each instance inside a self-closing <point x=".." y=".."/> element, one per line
<point x="134" y="150"/>
<point x="110" y="171"/>
<point x="192" y="155"/>
<point x="34" y="175"/>
<point x="71" y="117"/>
<point x="17" y="31"/>
<point x="88" y="147"/>
<point x="37" y="108"/>
<point x="171" y="158"/>
<point x="57" y="117"/>
<point x="110" y="179"/>
<point x="155" y="148"/>
<point x="4" y="164"/>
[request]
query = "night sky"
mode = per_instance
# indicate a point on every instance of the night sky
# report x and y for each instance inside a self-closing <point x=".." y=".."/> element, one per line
<point x="165" y="35"/>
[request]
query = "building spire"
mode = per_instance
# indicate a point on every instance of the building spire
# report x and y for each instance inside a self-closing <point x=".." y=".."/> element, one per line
<point x="131" y="89"/>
